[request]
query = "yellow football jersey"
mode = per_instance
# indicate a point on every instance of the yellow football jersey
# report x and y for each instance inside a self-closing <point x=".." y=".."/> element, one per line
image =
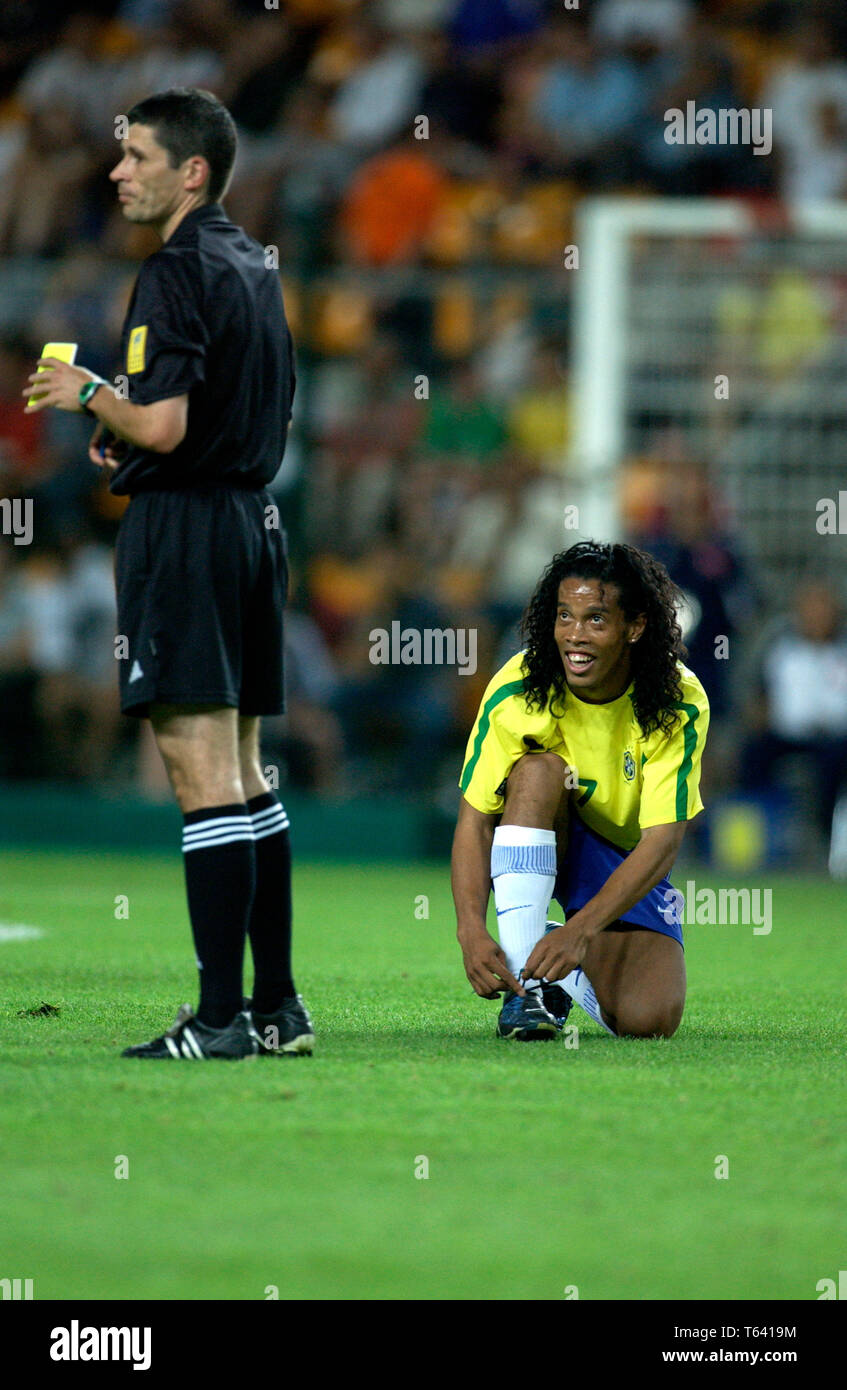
<point x="627" y="781"/>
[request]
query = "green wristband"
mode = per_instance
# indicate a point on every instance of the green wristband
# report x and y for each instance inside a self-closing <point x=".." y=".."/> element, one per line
<point x="85" y="394"/>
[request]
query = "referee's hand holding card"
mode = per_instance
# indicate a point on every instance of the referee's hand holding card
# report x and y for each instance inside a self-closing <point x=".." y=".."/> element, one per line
<point x="58" y="382"/>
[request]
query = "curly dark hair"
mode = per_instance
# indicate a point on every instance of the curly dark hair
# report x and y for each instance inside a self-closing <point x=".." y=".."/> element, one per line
<point x="644" y="586"/>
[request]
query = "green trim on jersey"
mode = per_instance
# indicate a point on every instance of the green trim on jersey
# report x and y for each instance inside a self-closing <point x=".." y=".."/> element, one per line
<point x="590" y="784"/>
<point x="505" y="691"/>
<point x="689" y="744"/>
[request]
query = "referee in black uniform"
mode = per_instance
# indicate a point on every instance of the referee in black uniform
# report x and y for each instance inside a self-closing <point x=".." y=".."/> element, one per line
<point x="200" y="563"/>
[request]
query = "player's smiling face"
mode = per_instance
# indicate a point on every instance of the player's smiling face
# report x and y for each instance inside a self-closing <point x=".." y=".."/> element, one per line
<point x="149" y="190"/>
<point x="594" y="638"/>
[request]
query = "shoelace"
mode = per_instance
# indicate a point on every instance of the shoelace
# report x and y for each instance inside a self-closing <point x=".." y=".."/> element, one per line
<point x="538" y="1005"/>
<point x="530" y="1003"/>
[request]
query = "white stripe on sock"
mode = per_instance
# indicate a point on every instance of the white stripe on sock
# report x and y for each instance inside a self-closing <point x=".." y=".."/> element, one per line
<point x="199" y="832"/>
<point x="214" y="821"/>
<point x="270" y="813"/>
<point x="271" y="830"/>
<point x="219" y="840"/>
<point x="217" y="837"/>
<point x="192" y="832"/>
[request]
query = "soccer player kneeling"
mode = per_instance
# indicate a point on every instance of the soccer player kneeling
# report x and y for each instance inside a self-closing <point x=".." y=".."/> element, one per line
<point x="581" y="774"/>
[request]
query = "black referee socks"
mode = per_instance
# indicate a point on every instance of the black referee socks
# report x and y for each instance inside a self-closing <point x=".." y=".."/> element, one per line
<point x="270" y="921"/>
<point x="220" y="877"/>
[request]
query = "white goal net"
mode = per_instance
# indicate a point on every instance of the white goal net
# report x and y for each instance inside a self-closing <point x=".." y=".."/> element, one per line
<point x="697" y="322"/>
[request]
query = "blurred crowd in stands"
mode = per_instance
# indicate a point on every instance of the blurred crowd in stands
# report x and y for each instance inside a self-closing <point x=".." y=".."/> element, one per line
<point x="415" y="166"/>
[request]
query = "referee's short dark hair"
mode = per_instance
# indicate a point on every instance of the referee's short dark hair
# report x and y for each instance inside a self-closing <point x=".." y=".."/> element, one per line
<point x="188" y="121"/>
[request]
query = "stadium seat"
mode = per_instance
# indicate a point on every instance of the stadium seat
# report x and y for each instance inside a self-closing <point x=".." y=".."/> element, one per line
<point x="461" y="227"/>
<point x="453" y="238"/>
<point x="754" y="59"/>
<point x="342" y="319"/>
<point x="118" y="40"/>
<point x="534" y="227"/>
<point x="292" y="296"/>
<point x="454" y="320"/>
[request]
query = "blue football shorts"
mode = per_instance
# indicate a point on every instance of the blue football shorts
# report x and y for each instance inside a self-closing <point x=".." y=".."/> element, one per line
<point x="590" y="861"/>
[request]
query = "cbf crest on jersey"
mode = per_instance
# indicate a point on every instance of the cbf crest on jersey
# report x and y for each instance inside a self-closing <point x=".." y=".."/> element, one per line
<point x="628" y="766"/>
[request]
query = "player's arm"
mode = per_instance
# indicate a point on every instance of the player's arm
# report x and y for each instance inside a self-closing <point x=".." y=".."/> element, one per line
<point x="561" y="951"/>
<point x="160" y="426"/>
<point x="484" y="961"/>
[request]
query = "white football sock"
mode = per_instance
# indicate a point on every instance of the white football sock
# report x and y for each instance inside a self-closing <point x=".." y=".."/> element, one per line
<point x="523" y="869"/>
<point x="578" y="986"/>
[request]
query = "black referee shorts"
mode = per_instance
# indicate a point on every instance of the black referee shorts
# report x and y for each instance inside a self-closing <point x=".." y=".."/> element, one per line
<point x="201" y="583"/>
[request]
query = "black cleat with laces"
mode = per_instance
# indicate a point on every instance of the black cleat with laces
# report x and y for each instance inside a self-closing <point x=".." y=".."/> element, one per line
<point x="525" y="1018"/>
<point x="191" y="1041"/>
<point x="556" y="1000"/>
<point x="288" y="1032"/>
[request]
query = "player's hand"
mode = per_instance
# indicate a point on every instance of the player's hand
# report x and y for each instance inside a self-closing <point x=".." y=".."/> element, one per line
<point x="104" y="449"/>
<point x="60" y="386"/>
<point x="557" y="954"/>
<point x="486" y="967"/>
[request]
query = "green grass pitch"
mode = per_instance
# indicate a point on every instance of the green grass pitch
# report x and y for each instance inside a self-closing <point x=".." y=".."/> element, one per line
<point x="549" y="1167"/>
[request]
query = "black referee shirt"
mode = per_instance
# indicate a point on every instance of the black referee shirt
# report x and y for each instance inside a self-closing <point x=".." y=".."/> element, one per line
<point x="206" y="319"/>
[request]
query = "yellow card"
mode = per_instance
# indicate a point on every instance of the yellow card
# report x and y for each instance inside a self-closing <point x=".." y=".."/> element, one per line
<point x="66" y="352"/>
